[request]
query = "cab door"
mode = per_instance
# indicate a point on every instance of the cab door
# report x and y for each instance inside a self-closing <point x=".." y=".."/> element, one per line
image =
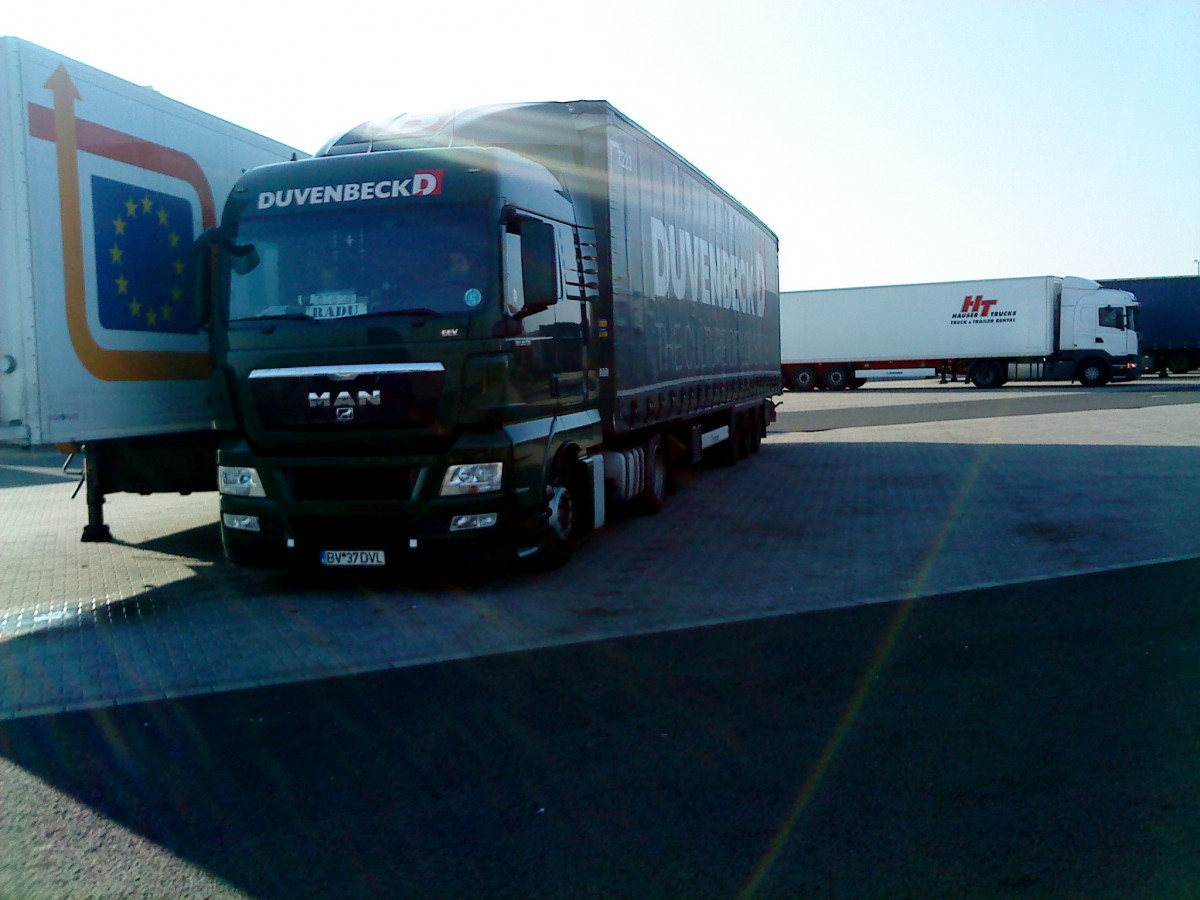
<point x="1111" y="333"/>
<point x="547" y="343"/>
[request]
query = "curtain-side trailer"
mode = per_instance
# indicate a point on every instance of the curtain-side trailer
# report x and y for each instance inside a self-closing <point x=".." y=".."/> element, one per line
<point x="466" y="334"/>
<point x="988" y="331"/>
<point x="103" y="187"/>
<point x="1169" y="326"/>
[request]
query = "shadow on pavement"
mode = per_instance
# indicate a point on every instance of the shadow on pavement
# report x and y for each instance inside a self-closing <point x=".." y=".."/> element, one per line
<point x="1033" y="740"/>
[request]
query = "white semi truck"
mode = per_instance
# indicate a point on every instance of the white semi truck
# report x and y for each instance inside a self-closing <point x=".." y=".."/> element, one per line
<point x="104" y="186"/>
<point x="988" y="332"/>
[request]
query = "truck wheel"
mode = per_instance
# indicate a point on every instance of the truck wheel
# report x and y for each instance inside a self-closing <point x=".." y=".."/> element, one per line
<point x="745" y="426"/>
<point x="654" y="490"/>
<point x="1093" y="373"/>
<point x="755" y="418"/>
<point x="727" y="453"/>
<point x="1178" y="363"/>
<point x="804" y="378"/>
<point x="986" y="374"/>
<point x="561" y="516"/>
<point x="837" y="378"/>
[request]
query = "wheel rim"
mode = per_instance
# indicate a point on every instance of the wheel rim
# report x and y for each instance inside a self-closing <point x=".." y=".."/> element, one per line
<point x="658" y="474"/>
<point x="561" y="507"/>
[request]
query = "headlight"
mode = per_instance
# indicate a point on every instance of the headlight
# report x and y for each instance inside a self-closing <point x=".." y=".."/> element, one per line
<point x="239" y="481"/>
<point x="472" y="478"/>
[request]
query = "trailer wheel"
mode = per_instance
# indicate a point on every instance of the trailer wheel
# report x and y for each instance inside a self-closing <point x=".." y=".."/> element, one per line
<point x="1093" y="373"/>
<point x="728" y="452"/>
<point x="986" y="374"/>
<point x="745" y="427"/>
<point x="837" y="378"/>
<point x="804" y="378"/>
<point x="562" y="523"/>
<point x="1178" y="363"/>
<point x="657" y="477"/>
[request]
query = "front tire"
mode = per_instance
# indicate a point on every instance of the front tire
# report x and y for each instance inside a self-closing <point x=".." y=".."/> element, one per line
<point x="562" y="516"/>
<point x="1094" y="373"/>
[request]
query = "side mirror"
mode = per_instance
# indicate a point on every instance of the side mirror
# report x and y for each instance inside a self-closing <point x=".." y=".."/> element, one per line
<point x="539" y="264"/>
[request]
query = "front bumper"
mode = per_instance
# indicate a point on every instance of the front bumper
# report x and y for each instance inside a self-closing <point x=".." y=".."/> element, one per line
<point x="382" y="504"/>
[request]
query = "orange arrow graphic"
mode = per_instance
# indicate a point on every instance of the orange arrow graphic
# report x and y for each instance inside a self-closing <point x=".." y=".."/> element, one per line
<point x="108" y="365"/>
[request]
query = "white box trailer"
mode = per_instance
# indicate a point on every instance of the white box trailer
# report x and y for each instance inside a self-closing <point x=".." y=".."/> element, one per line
<point x="989" y="331"/>
<point x="104" y="185"/>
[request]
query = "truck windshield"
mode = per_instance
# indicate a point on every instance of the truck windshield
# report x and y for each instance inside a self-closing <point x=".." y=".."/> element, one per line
<point x="340" y="264"/>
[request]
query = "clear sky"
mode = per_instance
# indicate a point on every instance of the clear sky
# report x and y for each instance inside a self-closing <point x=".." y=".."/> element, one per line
<point x="884" y="141"/>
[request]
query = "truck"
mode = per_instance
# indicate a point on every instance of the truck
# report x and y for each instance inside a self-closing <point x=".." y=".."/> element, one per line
<point x="473" y="336"/>
<point x="103" y="187"/>
<point x="1169" y="323"/>
<point x="988" y="332"/>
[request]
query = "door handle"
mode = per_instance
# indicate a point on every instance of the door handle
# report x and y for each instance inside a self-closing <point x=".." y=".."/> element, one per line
<point x="1099" y="340"/>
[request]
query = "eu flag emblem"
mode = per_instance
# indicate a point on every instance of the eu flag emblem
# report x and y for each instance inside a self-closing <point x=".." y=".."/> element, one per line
<point x="143" y="258"/>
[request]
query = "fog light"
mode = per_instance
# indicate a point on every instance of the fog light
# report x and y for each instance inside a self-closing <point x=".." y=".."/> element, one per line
<point x="240" y="523"/>
<point x="468" y="523"/>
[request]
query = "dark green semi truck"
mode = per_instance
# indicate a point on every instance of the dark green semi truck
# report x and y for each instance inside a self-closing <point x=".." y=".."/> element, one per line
<point x="472" y="334"/>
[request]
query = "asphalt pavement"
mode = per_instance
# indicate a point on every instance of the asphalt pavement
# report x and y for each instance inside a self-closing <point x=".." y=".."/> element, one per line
<point x="1039" y="740"/>
<point x="929" y="655"/>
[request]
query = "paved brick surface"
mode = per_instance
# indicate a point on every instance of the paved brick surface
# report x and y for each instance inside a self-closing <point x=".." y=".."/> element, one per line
<point x="814" y="521"/>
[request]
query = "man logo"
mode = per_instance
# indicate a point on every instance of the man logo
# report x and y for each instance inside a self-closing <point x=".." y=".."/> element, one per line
<point x="345" y="399"/>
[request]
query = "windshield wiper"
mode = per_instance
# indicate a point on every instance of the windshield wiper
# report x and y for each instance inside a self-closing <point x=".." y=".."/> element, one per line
<point x="274" y="317"/>
<point x="411" y="311"/>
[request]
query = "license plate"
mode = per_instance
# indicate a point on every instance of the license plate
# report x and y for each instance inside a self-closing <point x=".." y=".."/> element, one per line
<point x="352" y="558"/>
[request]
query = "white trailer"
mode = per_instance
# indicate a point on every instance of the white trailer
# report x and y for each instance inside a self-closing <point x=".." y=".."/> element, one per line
<point x="104" y="185"/>
<point x="990" y="332"/>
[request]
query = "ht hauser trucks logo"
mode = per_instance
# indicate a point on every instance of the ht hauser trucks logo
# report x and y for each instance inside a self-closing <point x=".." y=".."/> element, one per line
<point x="977" y="311"/>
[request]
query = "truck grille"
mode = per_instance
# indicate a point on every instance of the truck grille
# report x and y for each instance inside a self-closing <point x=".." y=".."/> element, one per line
<point x="354" y="483"/>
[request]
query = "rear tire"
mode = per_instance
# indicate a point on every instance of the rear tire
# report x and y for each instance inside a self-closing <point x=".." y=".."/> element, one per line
<point x="986" y="375"/>
<point x="1178" y="363"/>
<point x="755" y="418"/>
<point x="745" y="427"/>
<point x="804" y="378"/>
<point x="728" y="452"/>
<point x="657" y="477"/>
<point x="837" y="378"/>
